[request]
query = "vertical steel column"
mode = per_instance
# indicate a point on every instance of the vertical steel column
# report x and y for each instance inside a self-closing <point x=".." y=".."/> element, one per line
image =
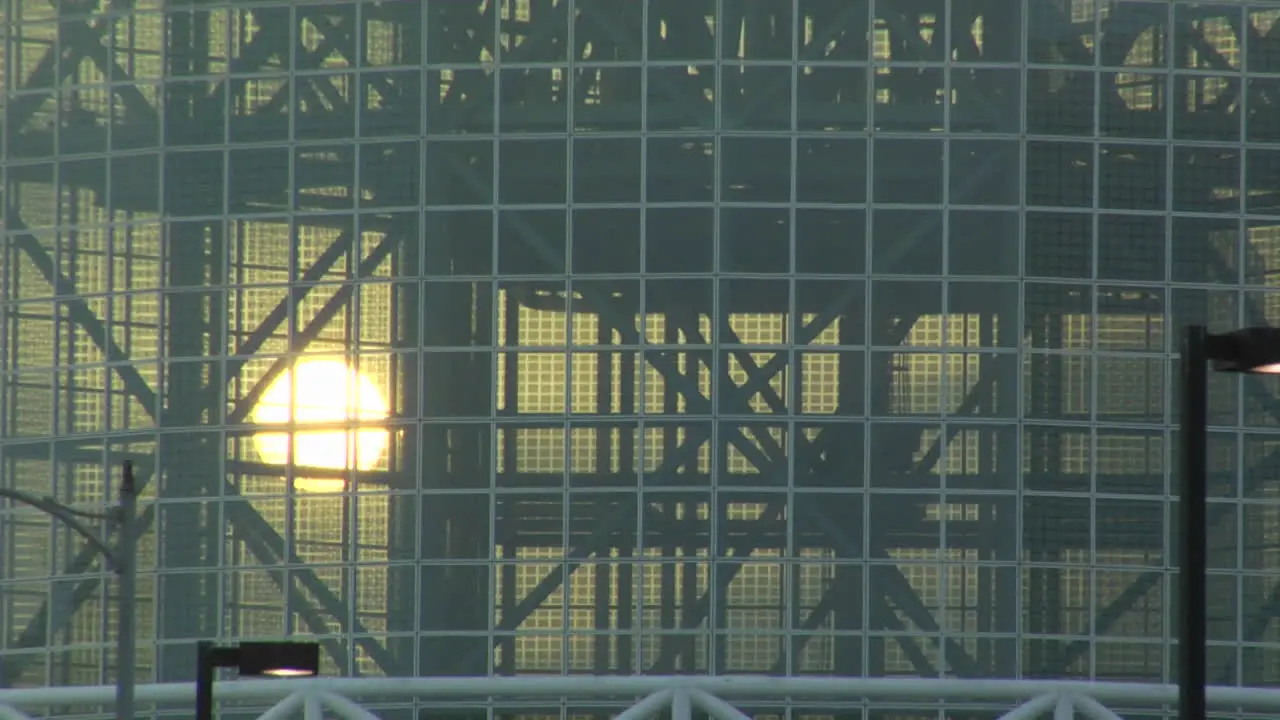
<point x="188" y="465"/>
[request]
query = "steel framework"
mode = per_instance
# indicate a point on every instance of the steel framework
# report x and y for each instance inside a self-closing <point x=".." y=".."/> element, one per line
<point x="683" y="697"/>
<point x="776" y="264"/>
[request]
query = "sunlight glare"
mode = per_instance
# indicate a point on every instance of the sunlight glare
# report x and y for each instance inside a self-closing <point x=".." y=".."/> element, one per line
<point x="328" y="392"/>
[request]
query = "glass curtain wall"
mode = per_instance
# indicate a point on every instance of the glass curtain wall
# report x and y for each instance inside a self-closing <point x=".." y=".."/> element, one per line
<point x="677" y="336"/>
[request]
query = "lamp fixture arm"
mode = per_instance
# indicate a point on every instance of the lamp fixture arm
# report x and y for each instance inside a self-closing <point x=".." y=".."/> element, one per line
<point x="69" y="517"/>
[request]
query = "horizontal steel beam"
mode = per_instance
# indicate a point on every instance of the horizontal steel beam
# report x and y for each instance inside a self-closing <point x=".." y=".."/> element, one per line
<point x="482" y="690"/>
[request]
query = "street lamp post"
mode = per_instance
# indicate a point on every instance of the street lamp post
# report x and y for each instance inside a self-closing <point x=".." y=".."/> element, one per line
<point x="251" y="659"/>
<point x="123" y="561"/>
<point x="1251" y="350"/>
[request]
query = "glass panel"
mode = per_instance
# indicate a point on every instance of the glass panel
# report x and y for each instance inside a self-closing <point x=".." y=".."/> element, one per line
<point x="595" y="337"/>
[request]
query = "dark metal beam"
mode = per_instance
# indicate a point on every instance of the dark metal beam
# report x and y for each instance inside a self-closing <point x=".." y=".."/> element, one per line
<point x="78" y="310"/>
<point x="577" y="555"/>
<point x="85" y="589"/>
<point x="64" y="600"/>
<point x="1141" y="585"/>
<point x="303" y="338"/>
<point x="340" y="248"/>
<point x="899" y="588"/>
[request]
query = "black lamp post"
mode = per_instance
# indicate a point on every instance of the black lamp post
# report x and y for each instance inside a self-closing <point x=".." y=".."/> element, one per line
<point x="1251" y="350"/>
<point x="251" y="659"/>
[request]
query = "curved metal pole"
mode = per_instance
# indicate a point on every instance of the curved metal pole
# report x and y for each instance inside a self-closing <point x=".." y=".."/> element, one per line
<point x="68" y="516"/>
<point x="122" y="561"/>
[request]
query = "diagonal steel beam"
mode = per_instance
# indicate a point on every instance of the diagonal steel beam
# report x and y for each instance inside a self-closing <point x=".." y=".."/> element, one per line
<point x="132" y="380"/>
<point x="88" y="34"/>
<point x="773" y="456"/>
<point x="883" y="619"/>
<point x="556" y="577"/>
<point x="1253" y="632"/>
<point x="892" y="576"/>
<point x="724" y="570"/>
<point x="1144" y="583"/>
<point x="86" y="37"/>
<point x="259" y="538"/>
<point x="698" y="403"/>
<point x="86" y="588"/>
<point x="270" y="325"/>
<point x="56" y="612"/>
<point x="86" y="43"/>
<point x="263" y="540"/>
<point x="254" y="523"/>
<point x="576" y="556"/>
<point x="303" y="339"/>
<point x="609" y="313"/>
<point x="137" y="386"/>
<point x="1141" y="585"/>
<point x="899" y="587"/>
<point x="23" y="107"/>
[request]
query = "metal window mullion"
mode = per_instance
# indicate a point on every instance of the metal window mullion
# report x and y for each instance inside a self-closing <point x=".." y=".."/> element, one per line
<point x="788" y="576"/>
<point x="292" y="496"/>
<point x="1241" y="240"/>
<point x="719" y="322"/>
<point x="1096" y="136"/>
<point x="419" y="466"/>
<point x="56" y="390"/>
<point x="570" y="323"/>
<point x="864" y="587"/>
<point x="639" y="575"/>
<point x="224" y="583"/>
<point x="498" y="565"/>
<point x="350" y="499"/>
<point x="1171" y="339"/>
<point x="944" y="380"/>
<point x="1019" y="520"/>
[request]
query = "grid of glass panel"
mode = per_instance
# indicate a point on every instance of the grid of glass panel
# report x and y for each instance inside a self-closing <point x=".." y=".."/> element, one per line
<point x="813" y="336"/>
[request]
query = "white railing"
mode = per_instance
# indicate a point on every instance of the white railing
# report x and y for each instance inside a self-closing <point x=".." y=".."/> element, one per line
<point x="317" y="698"/>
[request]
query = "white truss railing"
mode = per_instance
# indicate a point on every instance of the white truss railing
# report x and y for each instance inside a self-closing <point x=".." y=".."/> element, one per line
<point x="316" y="699"/>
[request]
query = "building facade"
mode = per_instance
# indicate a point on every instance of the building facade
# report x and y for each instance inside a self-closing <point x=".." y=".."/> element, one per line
<point x="679" y="336"/>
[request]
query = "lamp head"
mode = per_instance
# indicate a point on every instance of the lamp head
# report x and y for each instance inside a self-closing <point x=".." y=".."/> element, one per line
<point x="278" y="659"/>
<point x="1250" y="350"/>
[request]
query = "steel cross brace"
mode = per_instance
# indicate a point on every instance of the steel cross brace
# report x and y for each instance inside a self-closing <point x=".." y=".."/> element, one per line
<point x="86" y="43"/>
<point x="1143" y="584"/>
<point x="310" y="60"/>
<point x="257" y="534"/>
<point x="576" y="556"/>
<point x="892" y="576"/>
<point x="772" y="454"/>
<point x="916" y="609"/>
<point x="1148" y="580"/>
<point x="86" y="588"/>
<point x="338" y="249"/>
<point x="20" y="110"/>
<point x="513" y="618"/>
<point x="81" y="315"/>
<point x="61" y="598"/>
<point x="698" y="402"/>
<point x="954" y="654"/>
<point x="480" y="96"/>
<point x="882" y="616"/>
<point x="899" y="586"/>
